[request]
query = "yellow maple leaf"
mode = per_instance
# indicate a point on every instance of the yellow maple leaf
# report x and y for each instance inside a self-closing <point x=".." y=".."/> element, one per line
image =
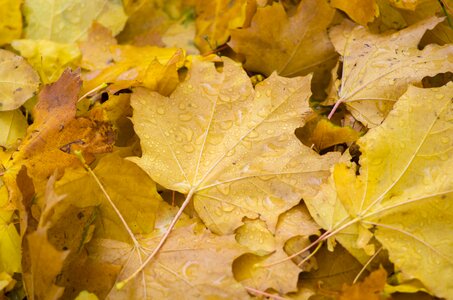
<point x="229" y="146"/>
<point x="215" y="19"/>
<point x="402" y="189"/>
<point x="377" y="69"/>
<point x="259" y="271"/>
<point x="48" y="58"/>
<point x="361" y="11"/>
<point x="69" y="21"/>
<point x="152" y="67"/>
<point x="10" y="21"/>
<point x="13" y="126"/>
<point x="291" y="46"/>
<point x="18" y="80"/>
<point x="194" y="264"/>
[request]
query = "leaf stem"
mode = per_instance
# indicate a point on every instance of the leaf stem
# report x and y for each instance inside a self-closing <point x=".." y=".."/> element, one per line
<point x="366" y="265"/>
<point x="162" y="241"/>
<point x="261" y="293"/>
<point x="112" y="204"/>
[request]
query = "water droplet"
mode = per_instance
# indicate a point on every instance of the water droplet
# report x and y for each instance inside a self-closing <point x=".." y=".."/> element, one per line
<point x="391" y="81"/>
<point x="215" y="139"/>
<point x="185" y="117"/>
<point x="268" y="93"/>
<point x="182" y="106"/>
<point x="226" y="124"/>
<point x="258" y="95"/>
<point x="445" y="139"/>
<point x="146" y="136"/>
<point x="224" y="189"/>
<point x="208" y="89"/>
<point x="268" y="204"/>
<point x="227" y="207"/>
<point x="439" y="96"/>
<point x="270" y="131"/>
<point x="160" y="110"/>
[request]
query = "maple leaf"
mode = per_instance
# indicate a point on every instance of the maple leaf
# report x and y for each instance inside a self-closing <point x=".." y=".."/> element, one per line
<point x="291" y="46"/>
<point x="215" y="20"/>
<point x="13" y="126"/>
<point x="259" y="272"/>
<point x="377" y="69"/>
<point x="152" y="67"/>
<point x="68" y="21"/>
<point x="10" y="21"/>
<point x="215" y="137"/>
<point x="95" y="49"/>
<point x="403" y="189"/>
<point x="105" y="209"/>
<point x="18" y="80"/>
<point x="371" y="288"/>
<point x="194" y="264"/>
<point x="320" y="133"/>
<point x="56" y="133"/>
<point x="361" y="11"/>
<point x="48" y="58"/>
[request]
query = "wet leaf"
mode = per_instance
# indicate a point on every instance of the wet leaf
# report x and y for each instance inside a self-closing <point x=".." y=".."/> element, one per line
<point x="377" y="69"/>
<point x="218" y="138"/>
<point x="402" y="189"/>
<point x="291" y="46"/>
<point x="68" y="21"/>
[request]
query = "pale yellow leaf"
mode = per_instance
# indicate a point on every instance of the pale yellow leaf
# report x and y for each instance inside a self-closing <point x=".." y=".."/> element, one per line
<point x="377" y="69"/>
<point x="230" y="145"/>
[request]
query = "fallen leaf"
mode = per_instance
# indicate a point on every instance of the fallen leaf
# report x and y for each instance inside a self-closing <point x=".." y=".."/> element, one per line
<point x="377" y="69"/>
<point x="258" y="271"/>
<point x="402" y="188"/>
<point x="96" y="48"/>
<point x="291" y="46"/>
<point x="10" y="255"/>
<point x="68" y="21"/>
<point x="13" y="126"/>
<point x="371" y="288"/>
<point x="361" y="11"/>
<point x="18" y="80"/>
<point x="56" y="133"/>
<point x="48" y="58"/>
<point x="405" y="4"/>
<point x="138" y="209"/>
<point x="215" y="19"/>
<point x="321" y="133"/>
<point x="231" y="147"/>
<point x="152" y="67"/>
<point x="10" y="21"/>
<point x="193" y="264"/>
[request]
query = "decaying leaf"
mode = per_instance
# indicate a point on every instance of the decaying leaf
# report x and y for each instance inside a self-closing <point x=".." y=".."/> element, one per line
<point x="291" y="46"/>
<point x="229" y="146"/>
<point x="378" y="68"/>
<point x="56" y="132"/>
<point x="18" y="80"/>
<point x="402" y="188"/>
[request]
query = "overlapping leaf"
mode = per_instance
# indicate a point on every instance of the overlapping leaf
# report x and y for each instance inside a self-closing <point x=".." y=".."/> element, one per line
<point x="377" y="69"/>
<point x="402" y="190"/>
<point x="229" y="145"/>
<point x="291" y="46"/>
